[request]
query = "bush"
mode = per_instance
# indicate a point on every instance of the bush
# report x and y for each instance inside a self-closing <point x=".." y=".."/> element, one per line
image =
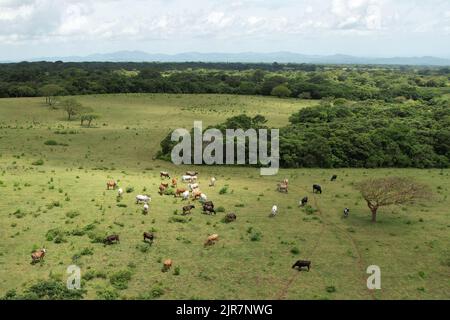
<point x="120" y="279"/>
<point x="330" y="289"/>
<point x="223" y="190"/>
<point x="72" y="214"/>
<point x="129" y="189"/>
<point x="39" y="162"/>
<point x="107" y="294"/>
<point x="51" y="143"/>
<point x="56" y="235"/>
<point x="47" y="290"/>
<point x="176" y="272"/>
<point x="295" y="250"/>
<point x="220" y="209"/>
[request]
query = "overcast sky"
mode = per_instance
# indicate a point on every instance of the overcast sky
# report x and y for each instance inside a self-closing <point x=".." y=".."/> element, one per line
<point x="38" y="28"/>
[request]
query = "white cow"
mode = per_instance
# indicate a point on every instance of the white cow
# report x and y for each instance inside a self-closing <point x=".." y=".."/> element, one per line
<point x="146" y="207"/>
<point x="203" y="197"/>
<point x="212" y="182"/>
<point x="185" y="195"/>
<point x="143" y="198"/>
<point x="186" y="178"/>
<point x="274" y="210"/>
<point x="193" y="186"/>
<point x="120" y="192"/>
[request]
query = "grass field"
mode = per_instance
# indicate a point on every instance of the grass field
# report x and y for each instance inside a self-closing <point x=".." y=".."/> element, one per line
<point x="254" y="255"/>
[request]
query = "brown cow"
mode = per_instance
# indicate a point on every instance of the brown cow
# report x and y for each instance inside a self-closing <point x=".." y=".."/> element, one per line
<point x="179" y="191"/>
<point x="187" y="209"/>
<point x="164" y="174"/>
<point x="212" y="239"/>
<point x="174" y="182"/>
<point x="149" y="236"/>
<point x="111" y="184"/>
<point x="38" y="255"/>
<point x="163" y="187"/>
<point x="167" y="265"/>
<point x="283" y="187"/>
<point x="114" y="238"/>
<point x="196" y="194"/>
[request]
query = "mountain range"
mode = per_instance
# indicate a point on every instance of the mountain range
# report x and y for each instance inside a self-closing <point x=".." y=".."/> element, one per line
<point x="249" y="57"/>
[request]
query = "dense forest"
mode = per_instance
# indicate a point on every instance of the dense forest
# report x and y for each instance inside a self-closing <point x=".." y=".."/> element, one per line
<point x="283" y="80"/>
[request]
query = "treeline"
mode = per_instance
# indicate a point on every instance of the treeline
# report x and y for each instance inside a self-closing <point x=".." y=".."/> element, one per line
<point x="282" y="80"/>
<point x="370" y="134"/>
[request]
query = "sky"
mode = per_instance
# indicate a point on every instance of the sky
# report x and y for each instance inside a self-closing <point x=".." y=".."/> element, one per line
<point x="371" y="28"/>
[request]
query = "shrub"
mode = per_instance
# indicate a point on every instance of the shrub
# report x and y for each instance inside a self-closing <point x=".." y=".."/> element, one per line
<point x="220" y="209"/>
<point x="51" y="143"/>
<point x="56" y="235"/>
<point x="39" y="162"/>
<point x="120" y="279"/>
<point x="51" y="290"/>
<point x="129" y="189"/>
<point x="107" y="294"/>
<point x="223" y="190"/>
<point x="72" y="214"/>
<point x="330" y="289"/>
<point x="295" y="250"/>
<point x="176" y="272"/>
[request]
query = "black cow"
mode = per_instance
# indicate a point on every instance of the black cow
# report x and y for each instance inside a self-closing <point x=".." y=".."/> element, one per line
<point x="208" y="209"/>
<point x="334" y="177"/>
<point x="302" y="263"/>
<point x="149" y="236"/>
<point x="208" y="203"/>
<point x="187" y="209"/>
<point x="230" y="217"/>
<point x="317" y="189"/>
<point x="304" y="201"/>
<point x="112" y="239"/>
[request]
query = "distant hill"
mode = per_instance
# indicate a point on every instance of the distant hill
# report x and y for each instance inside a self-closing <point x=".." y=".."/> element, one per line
<point x="280" y="57"/>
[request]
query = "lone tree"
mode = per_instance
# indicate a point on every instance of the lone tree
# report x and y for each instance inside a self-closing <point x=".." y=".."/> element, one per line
<point x="391" y="191"/>
<point x="72" y="107"/>
<point x="50" y="91"/>
<point x="88" y="117"/>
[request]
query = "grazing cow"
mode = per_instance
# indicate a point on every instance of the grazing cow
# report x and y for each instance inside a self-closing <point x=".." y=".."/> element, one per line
<point x="167" y="265"/>
<point x="203" y="198"/>
<point x="187" y="209"/>
<point x="334" y="177"/>
<point x="186" y="178"/>
<point x="212" y="239"/>
<point x="174" y="182"/>
<point x="230" y="217"/>
<point x="193" y="186"/>
<point x="179" y="191"/>
<point x="163" y="187"/>
<point x="38" y="255"/>
<point x="193" y="178"/>
<point x="191" y="173"/>
<point x="185" y="195"/>
<point x="212" y="182"/>
<point x="111" y="185"/>
<point x="164" y="174"/>
<point x="285" y="181"/>
<point x="112" y="239"/>
<point x="302" y="263"/>
<point x="196" y="194"/>
<point x="346" y="212"/>
<point x="304" y="201"/>
<point x="317" y="189"/>
<point x="120" y="192"/>
<point x="283" y="187"/>
<point x="146" y="208"/>
<point x="143" y="198"/>
<point x="208" y="209"/>
<point x="274" y="211"/>
<point x="149" y="236"/>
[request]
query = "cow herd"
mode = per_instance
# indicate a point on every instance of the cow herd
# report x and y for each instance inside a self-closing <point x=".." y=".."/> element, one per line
<point x="192" y="190"/>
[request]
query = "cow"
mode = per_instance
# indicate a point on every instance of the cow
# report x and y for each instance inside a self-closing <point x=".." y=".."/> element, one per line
<point x="212" y="182"/>
<point x="208" y="209"/>
<point x="283" y="187"/>
<point x="163" y="187"/>
<point x="203" y="198"/>
<point x="167" y="265"/>
<point x="212" y="239"/>
<point x="143" y="198"/>
<point x="208" y="203"/>
<point x="164" y="174"/>
<point x="302" y="263"/>
<point x="186" y="178"/>
<point x="333" y="178"/>
<point x="185" y="195"/>
<point x="196" y="194"/>
<point x="230" y="217"/>
<point x="38" y="255"/>
<point x="317" y="189"/>
<point x="111" y="184"/>
<point x="179" y="191"/>
<point x="145" y="209"/>
<point x="174" y="182"/>
<point x="149" y="236"/>
<point x="187" y="209"/>
<point x="114" y="238"/>
<point x="274" y="211"/>
<point x="304" y="201"/>
<point x="120" y="193"/>
<point x="346" y="212"/>
<point x="191" y="173"/>
<point x="193" y="186"/>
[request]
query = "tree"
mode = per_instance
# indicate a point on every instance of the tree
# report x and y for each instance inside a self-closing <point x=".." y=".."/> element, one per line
<point x="50" y="91"/>
<point x="391" y="191"/>
<point x="281" y="91"/>
<point x="72" y="107"/>
<point x="89" y="117"/>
